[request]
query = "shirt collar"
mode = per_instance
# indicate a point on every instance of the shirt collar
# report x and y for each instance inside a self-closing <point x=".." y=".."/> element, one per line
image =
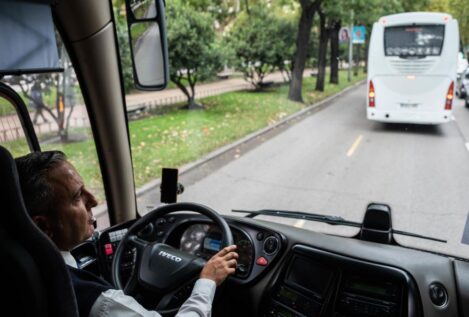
<point x="69" y="259"/>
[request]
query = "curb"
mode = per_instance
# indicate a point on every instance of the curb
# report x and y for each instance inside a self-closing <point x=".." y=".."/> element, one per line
<point x="218" y="152"/>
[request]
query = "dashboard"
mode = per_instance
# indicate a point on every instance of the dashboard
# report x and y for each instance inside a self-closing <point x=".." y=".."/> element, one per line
<point x="286" y="271"/>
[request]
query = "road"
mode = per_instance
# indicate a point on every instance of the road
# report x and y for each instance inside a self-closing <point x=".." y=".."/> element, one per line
<point x="336" y="162"/>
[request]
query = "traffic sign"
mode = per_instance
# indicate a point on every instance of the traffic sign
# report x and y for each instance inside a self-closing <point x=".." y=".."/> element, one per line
<point x="358" y="35"/>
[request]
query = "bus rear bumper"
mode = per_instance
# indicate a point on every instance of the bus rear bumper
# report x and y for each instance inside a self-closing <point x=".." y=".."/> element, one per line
<point x="409" y="117"/>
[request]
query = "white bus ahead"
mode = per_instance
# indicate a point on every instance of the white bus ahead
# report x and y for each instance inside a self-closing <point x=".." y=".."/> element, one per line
<point x="412" y="64"/>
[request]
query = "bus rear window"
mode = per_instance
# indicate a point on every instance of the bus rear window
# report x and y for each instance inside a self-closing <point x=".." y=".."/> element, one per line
<point x="414" y="40"/>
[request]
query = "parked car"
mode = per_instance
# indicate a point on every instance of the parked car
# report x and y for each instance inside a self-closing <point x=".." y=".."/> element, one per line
<point x="462" y="63"/>
<point x="462" y="83"/>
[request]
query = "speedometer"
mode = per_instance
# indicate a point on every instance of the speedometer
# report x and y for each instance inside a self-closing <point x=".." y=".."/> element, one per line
<point x="204" y="240"/>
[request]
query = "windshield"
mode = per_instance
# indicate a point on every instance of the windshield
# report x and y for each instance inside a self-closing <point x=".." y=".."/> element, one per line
<point x="241" y="142"/>
<point x="255" y="117"/>
<point x="414" y="40"/>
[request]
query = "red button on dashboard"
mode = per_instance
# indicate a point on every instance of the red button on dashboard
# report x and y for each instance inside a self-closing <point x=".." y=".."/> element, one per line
<point x="262" y="261"/>
<point x="108" y="249"/>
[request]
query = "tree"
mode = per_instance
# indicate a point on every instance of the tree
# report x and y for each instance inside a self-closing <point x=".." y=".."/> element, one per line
<point x="308" y="8"/>
<point x="284" y="47"/>
<point x="124" y="50"/>
<point x="253" y="43"/>
<point x="193" y="54"/>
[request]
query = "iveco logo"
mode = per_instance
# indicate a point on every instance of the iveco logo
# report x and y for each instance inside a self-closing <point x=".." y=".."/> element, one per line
<point x="170" y="256"/>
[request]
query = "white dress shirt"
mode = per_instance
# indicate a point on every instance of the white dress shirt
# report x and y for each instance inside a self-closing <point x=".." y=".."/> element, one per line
<point x="114" y="302"/>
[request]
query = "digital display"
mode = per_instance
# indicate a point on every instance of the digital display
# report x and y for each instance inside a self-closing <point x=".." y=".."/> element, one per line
<point x="287" y="294"/>
<point x="369" y="288"/>
<point x="211" y="244"/>
<point x="309" y="275"/>
<point x="385" y="289"/>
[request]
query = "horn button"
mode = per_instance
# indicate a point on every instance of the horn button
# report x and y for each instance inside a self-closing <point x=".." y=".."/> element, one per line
<point x="164" y="268"/>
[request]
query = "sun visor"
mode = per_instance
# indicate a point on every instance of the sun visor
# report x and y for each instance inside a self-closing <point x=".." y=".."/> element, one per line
<point x="27" y="38"/>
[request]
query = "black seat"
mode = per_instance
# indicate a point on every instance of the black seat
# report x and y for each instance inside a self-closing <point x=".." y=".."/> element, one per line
<point x="34" y="277"/>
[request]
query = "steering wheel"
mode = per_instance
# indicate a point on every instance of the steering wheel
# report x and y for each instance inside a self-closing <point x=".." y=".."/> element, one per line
<point x="161" y="268"/>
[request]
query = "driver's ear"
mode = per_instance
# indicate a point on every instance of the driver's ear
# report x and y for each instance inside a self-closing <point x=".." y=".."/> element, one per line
<point x="44" y="224"/>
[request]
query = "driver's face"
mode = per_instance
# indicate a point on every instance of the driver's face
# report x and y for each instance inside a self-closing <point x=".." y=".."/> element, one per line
<point x="73" y="221"/>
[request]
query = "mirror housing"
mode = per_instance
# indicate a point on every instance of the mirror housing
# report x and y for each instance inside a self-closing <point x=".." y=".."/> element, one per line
<point x="148" y="44"/>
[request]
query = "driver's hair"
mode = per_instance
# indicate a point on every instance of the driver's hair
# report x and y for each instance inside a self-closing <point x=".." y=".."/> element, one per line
<point x="33" y="169"/>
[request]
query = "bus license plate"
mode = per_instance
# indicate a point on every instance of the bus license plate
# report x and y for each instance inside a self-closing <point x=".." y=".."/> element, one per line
<point x="409" y="105"/>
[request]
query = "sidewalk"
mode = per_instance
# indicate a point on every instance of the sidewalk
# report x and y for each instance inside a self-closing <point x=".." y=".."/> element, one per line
<point x="11" y="129"/>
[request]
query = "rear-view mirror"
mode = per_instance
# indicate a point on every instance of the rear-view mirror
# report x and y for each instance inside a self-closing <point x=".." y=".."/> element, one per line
<point x="37" y="51"/>
<point x="147" y="30"/>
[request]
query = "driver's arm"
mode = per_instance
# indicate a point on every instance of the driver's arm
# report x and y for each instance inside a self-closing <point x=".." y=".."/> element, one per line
<point x="115" y="303"/>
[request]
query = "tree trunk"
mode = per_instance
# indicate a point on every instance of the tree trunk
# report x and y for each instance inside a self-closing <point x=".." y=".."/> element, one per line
<point x="334" y="34"/>
<point x="323" y="39"/>
<point x="357" y="59"/>
<point x="302" y="42"/>
<point x="192" y="105"/>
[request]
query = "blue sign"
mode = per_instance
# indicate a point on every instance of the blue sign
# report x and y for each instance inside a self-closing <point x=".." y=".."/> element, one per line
<point x="358" y="34"/>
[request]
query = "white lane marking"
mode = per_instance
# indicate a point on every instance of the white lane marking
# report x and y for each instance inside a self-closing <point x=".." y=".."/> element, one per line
<point x="467" y="146"/>
<point x="299" y="224"/>
<point x="355" y="145"/>
<point x="453" y="118"/>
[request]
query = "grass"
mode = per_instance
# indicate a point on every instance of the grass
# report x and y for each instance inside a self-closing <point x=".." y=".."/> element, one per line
<point x="182" y="136"/>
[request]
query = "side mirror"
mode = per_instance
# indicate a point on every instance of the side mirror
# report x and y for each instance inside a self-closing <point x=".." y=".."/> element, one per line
<point x="148" y="46"/>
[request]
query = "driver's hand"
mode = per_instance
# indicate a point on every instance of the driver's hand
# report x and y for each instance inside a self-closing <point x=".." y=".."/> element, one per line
<point x="221" y="265"/>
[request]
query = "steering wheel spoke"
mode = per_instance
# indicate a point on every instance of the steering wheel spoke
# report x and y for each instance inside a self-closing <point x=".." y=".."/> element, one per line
<point x="138" y="243"/>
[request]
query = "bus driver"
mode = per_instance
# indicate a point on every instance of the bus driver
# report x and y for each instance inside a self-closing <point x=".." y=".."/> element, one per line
<point x="59" y="203"/>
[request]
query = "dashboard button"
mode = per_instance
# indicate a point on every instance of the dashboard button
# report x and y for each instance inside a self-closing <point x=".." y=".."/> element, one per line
<point x="438" y="294"/>
<point x="260" y="236"/>
<point x="262" y="261"/>
<point x="108" y="249"/>
<point x="271" y="245"/>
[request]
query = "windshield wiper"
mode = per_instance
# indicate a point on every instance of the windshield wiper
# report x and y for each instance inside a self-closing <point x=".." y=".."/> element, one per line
<point x="331" y="220"/>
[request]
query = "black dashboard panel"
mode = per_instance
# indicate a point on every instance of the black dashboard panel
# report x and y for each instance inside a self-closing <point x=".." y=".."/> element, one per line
<point x="320" y="283"/>
<point x="292" y="272"/>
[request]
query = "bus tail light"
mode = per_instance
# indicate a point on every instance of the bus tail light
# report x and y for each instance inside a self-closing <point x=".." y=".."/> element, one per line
<point x="449" y="97"/>
<point x="371" y="95"/>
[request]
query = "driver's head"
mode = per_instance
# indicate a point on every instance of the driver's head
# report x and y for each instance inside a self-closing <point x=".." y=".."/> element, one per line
<point x="56" y="198"/>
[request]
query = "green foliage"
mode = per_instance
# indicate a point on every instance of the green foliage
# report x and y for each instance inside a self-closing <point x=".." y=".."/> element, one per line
<point x="193" y="52"/>
<point x="255" y="43"/>
<point x="460" y="11"/>
<point x="284" y="45"/>
<point x="124" y="51"/>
